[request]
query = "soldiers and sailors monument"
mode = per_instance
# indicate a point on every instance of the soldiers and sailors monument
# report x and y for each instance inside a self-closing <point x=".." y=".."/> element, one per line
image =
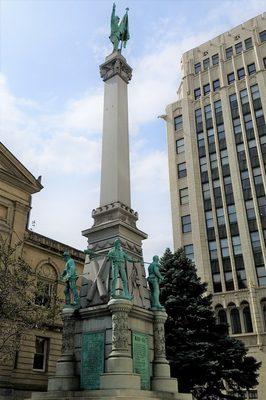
<point x="113" y="342"/>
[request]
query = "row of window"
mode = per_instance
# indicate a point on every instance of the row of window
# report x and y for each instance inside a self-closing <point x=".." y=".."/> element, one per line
<point x="230" y="79"/>
<point x="241" y="73"/>
<point x="229" y="51"/>
<point x="256" y="171"/>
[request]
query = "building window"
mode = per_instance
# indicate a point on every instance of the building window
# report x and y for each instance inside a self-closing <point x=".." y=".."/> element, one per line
<point x="41" y="354"/>
<point x="46" y="284"/>
<point x="201" y="141"/>
<point x="263" y="36"/>
<point x="206" y="63"/>
<point x="224" y="157"/>
<point x="183" y="196"/>
<point x="232" y="214"/>
<point x="263" y="306"/>
<point x="230" y="78"/>
<point x="247" y="319"/>
<point x="186" y="224"/>
<point x="229" y="52"/>
<point x="181" y="170"/>
<point x="208" y="116"/>
<point x="251" y="69"/>
<point x="224" y="248"/>
<point x="218" y="106"/>
<point x="206" y="191"/>
<point x="180" y="146"/>
<point x="255" y="241"/>
<point x="198" y="118"/>
<point x="248" y="43"/>
<point x="264" y="62"/>
<point x="206" y="89"/>
<point x="238" y="47"/>
<point x="197" y="68"/>
<point x="220" y="216"/>
<point x="203" y="164"/>
<point x="261" y="273"/>
<point x="178" y="122"/>
<point x="235" y="321"/>
<point x="250" y="210"/>
<point x="255" y="92"/>
<point x="45" y="292"/>
<point x="241" y="273"/>
<point x="236" y="245"/>
<point x="209" y="219"/>
<point x="213" y="250"/>
<point x="197" y="93"/>
<point x="215" y="59"/>
<point x="210" y="135"/>
<point x="221" y="317"/>
<point x="189" y="251"/>
<point x="241" y="73"/>
<point x="216" y="85"/>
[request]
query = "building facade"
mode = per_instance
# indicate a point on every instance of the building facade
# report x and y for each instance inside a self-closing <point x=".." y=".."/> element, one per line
<point x="39" y="350"/>
<point x="217" y="154"/>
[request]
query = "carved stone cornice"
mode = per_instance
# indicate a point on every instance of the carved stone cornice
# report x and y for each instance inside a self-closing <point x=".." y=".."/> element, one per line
<point x="113" y="212"/>
<point x="53" y="245"/>
<point x="115" y="64"/>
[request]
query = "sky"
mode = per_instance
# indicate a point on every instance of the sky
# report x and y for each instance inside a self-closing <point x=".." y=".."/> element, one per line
<point x="51" y="100"/>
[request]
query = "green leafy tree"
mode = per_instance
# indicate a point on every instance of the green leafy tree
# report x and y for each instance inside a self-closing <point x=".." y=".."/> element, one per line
<point x="206" y="361"/>
<point x="18" y="293"/>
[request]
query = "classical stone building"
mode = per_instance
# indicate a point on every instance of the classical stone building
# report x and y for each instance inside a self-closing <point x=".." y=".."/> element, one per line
<point x="217" y="154"/>
<point x="39" y="351"/>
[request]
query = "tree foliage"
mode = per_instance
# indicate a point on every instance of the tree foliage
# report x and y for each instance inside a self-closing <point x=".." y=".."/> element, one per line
<point x="202" y="356"/>
<point x="18" y="292"/>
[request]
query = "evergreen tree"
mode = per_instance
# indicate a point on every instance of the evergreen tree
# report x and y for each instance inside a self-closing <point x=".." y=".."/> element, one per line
<point x="204" y="359"/>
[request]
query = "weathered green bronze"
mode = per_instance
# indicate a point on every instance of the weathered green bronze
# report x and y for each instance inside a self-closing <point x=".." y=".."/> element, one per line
<point x="118" y="258"/>
<point x="119" y="32"/>
<point x="154" y="280"/>
<point x="141" y="362"/>
<point x="92" y="362"/>
<point x="70" y="276"/>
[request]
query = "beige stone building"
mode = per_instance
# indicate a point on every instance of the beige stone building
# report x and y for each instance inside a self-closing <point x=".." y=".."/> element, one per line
<point x="217" y="153"/>
<point x="39" y="351"/>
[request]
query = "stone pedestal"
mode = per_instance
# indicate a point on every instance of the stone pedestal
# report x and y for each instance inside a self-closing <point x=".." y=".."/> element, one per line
<point x="65" y="377"/>
<point x="161" y="370"/>
<point x="119" y="373"/>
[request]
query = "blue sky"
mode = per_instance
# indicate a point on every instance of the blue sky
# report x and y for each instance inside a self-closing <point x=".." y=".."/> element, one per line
<point x="51" y="100"/>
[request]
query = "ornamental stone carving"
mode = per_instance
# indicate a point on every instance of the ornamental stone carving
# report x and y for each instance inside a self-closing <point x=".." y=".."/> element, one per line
<point x="120" y="331"/>
<point x="116" y="66"/>
<point x="159" y="336"/>
<point x="68" y="335"/>
<point x="120" y="309"/>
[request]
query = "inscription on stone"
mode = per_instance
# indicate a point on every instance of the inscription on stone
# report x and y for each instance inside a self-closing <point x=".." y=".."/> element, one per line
<point x="141" y="361"/>
<point x="92" y="359"/>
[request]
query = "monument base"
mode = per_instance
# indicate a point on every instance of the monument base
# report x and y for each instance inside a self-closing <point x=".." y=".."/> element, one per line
<point x="120" y="380"/>
<point x="111" y="394"/>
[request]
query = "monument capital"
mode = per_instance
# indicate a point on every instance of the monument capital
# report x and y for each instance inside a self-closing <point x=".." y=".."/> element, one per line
<point x="115" y="64"/>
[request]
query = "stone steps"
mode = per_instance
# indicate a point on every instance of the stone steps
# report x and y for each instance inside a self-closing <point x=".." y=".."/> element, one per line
<point x="116" y="394"/>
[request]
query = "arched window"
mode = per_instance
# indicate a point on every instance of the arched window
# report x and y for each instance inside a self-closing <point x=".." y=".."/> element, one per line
<point x="46" y="284"/>
<point x="221" y="317"/>
<point x="235" y="321"/>
<point x="263" y="307"/>
<point x="247" y="319"/>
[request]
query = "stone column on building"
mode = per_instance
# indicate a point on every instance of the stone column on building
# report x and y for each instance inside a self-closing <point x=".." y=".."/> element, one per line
<point x="120" y="364"/>
<point x="65" y="377"/>
<point x="161" y="380"/>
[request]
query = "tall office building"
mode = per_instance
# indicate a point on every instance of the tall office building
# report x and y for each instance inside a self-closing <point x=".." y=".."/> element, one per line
<point x="217" y="155"/>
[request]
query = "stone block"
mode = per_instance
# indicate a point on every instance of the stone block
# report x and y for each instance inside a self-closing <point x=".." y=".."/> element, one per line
<point x="120" y="380"/>
<point x="164" y="384"/>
